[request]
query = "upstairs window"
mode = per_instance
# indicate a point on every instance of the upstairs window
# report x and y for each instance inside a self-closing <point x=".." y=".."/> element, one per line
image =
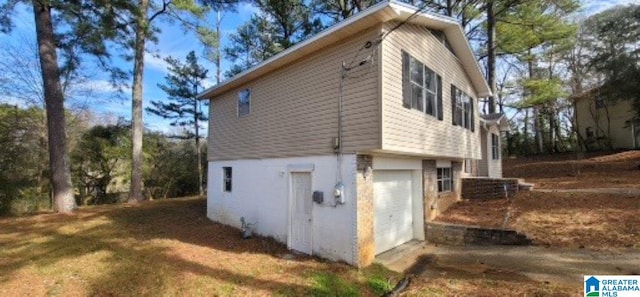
<point x="421" y="87"/>
<point x="589" y="132"/>
<point x="495" y="146"/>
<point x="227" y="176"/>
<point x="244" y="102"/>
<point x="445" y="179"/>
<point x="462" y="107"/>
<point x="600" y="103"/>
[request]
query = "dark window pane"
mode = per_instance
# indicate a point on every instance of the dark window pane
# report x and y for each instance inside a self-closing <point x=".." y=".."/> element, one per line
<point x="416" y="71"/>
<point x="430" y="104"/>
<point x="416" y="97"/>
<point x="430" y="80"/>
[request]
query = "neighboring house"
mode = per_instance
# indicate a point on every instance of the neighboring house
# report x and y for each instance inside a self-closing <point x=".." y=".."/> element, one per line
<point x="604" y="124"/>
<point x="345" y="144"/>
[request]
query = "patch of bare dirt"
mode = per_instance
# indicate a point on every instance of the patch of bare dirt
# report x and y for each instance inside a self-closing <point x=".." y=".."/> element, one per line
<point x="568" y="171"/>
<point x="159" y="248"/>
<point x="567" y="220"/>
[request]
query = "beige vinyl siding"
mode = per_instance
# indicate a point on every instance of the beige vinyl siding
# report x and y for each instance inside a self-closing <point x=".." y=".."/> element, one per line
<point x="411" y="131"/>
<point x="294" y="109"/>
<point x="620" y="132"/>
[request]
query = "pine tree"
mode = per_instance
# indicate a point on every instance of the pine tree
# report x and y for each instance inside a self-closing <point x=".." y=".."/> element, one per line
<point x="64" y="31"/>
<point x="183" y="84"/>
<point x="279" y="25"/>
<point x="338" y="10"/>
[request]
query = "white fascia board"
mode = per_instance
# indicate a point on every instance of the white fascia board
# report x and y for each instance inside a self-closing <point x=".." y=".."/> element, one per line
<point x="457" y="38"/>
<point x="397" y="11"/>
<point x="271" y="61"/>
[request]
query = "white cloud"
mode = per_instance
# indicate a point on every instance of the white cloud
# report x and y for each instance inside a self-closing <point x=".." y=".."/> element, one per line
<point x="99" y="86"/>
<point x="209" y="82"/>
<point x="121" y="108"/>
<point x="590" y="7"/>
<point x="156" y="62"/>
<point x="11" y="100"/>
<point x="246" y="10"/>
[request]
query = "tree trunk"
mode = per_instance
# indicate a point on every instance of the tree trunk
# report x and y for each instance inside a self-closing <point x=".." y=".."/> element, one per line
<point x="54" y="101"/>
<point x="526" y="132"/>
<point x="196" y="103"/>
<point x="137" y="124"/>
<point x="491" y="55"/>
<point x="218" y="53"/>
<point x="538" y="130"/>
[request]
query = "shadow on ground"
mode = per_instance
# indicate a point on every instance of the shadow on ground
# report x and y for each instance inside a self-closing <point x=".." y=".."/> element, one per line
<point x="158" y="248"/>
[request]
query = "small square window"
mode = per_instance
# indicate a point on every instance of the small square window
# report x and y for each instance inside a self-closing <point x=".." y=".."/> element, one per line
<point x="244" y="102"/>
<point x="445" y="179"/>
<point x="589" y="132"/>
<point x="227" y="175"/>
<point x="600" y="103"/>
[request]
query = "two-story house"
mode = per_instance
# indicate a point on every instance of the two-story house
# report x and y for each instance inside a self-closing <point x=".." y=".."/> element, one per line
<point x="345" y="144"/>
<point x="605" y="124"/>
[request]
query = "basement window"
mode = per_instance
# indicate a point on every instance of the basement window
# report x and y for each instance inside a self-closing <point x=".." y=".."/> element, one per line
<point x="226" y="179"/>
<point x="445" y="179"/>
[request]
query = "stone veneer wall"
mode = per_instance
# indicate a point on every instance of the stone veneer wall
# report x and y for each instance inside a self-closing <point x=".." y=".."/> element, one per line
<point x="365" y="211"/>
<point x="453" y="234"/>
<point x="436" y="203"/>
<point x="488" y="188"/>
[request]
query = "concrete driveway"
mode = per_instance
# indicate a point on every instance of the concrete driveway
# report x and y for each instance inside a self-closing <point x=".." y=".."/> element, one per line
<point x="537" y="263"/>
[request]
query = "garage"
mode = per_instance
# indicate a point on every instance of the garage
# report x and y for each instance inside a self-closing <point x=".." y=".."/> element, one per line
<point x="393" y="201"/>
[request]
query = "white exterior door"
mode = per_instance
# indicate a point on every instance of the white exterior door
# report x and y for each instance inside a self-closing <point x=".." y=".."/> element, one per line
<point x="301" y="207"/>
<point x="393" y="223"/>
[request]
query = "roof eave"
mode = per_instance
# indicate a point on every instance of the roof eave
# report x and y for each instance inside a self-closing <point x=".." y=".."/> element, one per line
<point x="275" y="61"/>
<point x="394" y="10"/>
<point x="455" y="33"/>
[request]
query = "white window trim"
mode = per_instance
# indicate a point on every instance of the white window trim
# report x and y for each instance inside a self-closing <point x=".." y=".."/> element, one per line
<point x="463" y="106"/>
<point x="495" y="147"/>
<point x="248" y="90"/>
<point x="423" y="87"/>
<point x="224" y="179"/>
<point x="442" y="180"/>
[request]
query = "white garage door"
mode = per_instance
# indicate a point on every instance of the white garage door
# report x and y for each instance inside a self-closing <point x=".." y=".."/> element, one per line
<point x="393" y="223"/>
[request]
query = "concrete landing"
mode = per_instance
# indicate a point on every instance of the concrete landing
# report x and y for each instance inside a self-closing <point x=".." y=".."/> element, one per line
<point x="537" y="263"/>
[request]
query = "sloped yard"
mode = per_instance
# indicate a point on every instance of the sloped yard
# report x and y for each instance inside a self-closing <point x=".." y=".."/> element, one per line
<point x="170" y="248"/>
<point x="570" y="219"/>
<point x="570" y="171"/>
<point x="162" y="248"/>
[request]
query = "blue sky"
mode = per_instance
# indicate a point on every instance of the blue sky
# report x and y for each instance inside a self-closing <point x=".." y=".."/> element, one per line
<point x="175" y="42"/>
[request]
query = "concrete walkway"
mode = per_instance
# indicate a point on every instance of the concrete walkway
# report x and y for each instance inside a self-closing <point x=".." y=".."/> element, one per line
<point x="614" y="191"/>
<point x="537" y="263"/>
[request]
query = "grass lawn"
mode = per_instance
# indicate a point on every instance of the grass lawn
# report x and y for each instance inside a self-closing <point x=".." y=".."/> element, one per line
<point x="163" y="248"/>
<point x="170" y="248"/>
